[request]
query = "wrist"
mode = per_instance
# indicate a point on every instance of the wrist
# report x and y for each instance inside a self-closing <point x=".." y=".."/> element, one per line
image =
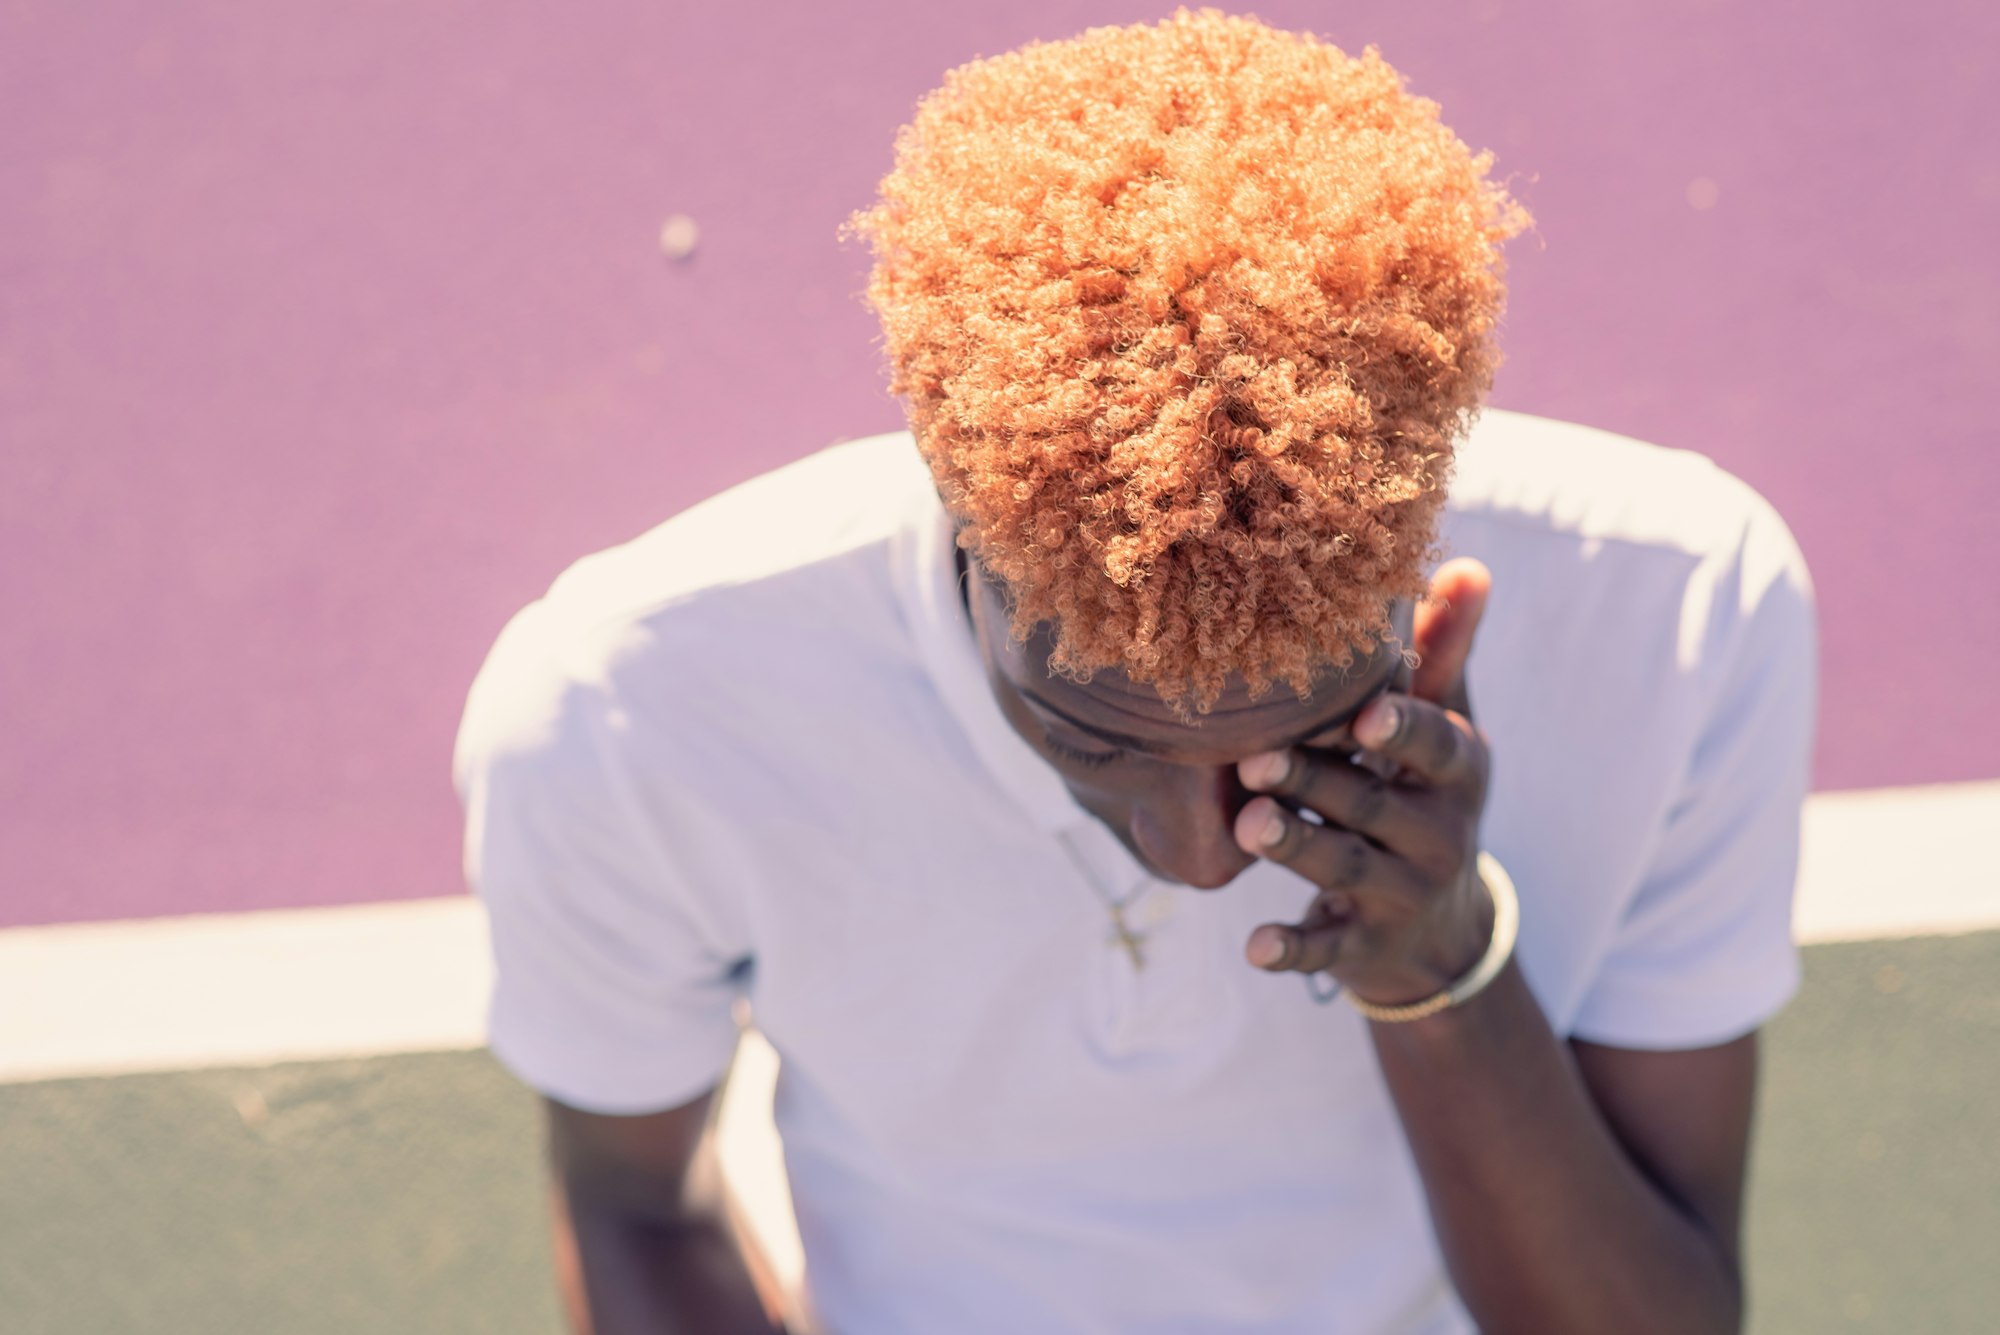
<point x="1494" y="914"/>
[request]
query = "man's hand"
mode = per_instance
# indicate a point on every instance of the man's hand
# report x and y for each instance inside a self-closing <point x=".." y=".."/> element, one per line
<point x="1569" y="1194"/>
<point x="1401" y="912"/>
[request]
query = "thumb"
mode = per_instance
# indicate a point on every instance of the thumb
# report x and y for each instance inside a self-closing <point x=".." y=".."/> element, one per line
<point x="1445" y="624"/>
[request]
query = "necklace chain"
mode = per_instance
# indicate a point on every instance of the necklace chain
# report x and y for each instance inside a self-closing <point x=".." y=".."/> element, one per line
<point x="1123" y="935"/>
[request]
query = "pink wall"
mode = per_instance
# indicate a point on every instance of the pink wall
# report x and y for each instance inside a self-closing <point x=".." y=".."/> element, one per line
<point x="330" y="333"/>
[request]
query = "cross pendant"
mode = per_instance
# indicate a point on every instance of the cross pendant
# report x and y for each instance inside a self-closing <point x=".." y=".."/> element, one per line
<point x="1123" y="935"/>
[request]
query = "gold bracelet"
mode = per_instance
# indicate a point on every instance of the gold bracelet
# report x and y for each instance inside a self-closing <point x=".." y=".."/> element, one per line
<point x="1506" y="927"/>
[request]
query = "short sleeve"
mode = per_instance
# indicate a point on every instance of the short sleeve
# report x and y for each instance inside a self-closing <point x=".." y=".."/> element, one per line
<point x="611" y="993"/>
<point x="1704" y="951"/>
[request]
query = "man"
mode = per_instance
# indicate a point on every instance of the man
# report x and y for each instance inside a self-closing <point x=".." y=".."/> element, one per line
<point x="929" y="744"/>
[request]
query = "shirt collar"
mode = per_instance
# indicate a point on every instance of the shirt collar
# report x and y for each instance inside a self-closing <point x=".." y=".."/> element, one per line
<point x="927" y="583"/>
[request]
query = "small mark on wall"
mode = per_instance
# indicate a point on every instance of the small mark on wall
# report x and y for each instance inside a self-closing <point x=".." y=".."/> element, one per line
<point x="678" y="236"/>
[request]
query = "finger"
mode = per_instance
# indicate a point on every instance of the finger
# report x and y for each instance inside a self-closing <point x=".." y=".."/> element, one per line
<point x="1343" y="864"/>
<point x="1346" y="792"/>
<point x="1309" y="946"/>
<point x="1438" y="745"/>
<point x="1442" y="634"/>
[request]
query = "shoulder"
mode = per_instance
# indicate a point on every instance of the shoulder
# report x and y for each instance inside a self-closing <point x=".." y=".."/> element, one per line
<point x="1651" y="626"/>
<point x="660" y="636"/>
<point x="798" y="522"/>
<point x="1586" y="523"/>
<point x="1588" y="484"/>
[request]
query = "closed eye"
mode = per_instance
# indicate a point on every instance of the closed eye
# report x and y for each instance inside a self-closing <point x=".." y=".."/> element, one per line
<point x="1078" y="756"/>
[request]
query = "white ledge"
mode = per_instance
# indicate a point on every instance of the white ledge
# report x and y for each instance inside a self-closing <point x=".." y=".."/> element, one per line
<point x="294" y="984"/>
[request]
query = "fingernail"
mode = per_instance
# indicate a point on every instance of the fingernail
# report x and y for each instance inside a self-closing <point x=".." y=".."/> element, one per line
<point x="1265" y="769"/>
<point x="1274" y="829"/>
<point x="1266" y="949"/>
<point x="1377" y="723"/>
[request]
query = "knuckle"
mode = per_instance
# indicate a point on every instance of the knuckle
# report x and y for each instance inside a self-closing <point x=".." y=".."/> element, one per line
<point x="1371" y="800"/>
<point x="1351" y="866"/>
<point x="1315" y="951"/>
<point x="1316" y="959"/>
<point x="1291" y="840"/>
<point x="1443" y="747"/>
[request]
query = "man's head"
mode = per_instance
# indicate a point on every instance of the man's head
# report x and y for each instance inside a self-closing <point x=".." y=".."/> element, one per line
<point x="1169" y="790"/>
<point x="1188" y="319"/>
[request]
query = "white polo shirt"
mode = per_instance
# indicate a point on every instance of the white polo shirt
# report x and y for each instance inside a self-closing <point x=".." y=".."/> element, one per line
<point x="753" y="752"/>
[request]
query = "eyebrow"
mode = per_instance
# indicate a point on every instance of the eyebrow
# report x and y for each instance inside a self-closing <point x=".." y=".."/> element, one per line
<point x="1132" y="743"/>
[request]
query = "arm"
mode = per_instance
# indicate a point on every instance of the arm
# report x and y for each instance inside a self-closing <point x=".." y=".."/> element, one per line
<point x="615" y="979"/>
<point x="1575" y="1189"/>
<point x="643" y="1241"/>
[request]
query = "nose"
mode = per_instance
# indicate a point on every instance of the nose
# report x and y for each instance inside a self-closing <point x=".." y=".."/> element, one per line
<point x="1185" y="831"/>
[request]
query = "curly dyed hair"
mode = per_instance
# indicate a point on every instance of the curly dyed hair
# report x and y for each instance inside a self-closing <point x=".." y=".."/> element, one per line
<point x="1187" y="319"/>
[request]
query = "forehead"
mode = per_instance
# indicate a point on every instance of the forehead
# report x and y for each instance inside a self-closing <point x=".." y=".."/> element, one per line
<point x="1114" y="707"/>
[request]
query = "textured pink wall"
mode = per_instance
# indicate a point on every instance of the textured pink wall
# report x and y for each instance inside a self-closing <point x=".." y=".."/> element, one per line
<point x="329" y="333"/>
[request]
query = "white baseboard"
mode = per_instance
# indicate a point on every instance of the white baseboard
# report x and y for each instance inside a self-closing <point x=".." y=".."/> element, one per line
<point x="242" y="989"/>
<point x="295" y="984"/>
<point x="1890" y="862"/>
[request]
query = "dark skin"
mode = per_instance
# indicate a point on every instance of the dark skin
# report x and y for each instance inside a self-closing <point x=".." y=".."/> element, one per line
<point x="1573" y="1187"/>
<point x="643" y="1237"/>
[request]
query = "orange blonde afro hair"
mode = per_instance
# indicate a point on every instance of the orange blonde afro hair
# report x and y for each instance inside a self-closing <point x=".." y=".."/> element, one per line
<point x="1188" y="319"/>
